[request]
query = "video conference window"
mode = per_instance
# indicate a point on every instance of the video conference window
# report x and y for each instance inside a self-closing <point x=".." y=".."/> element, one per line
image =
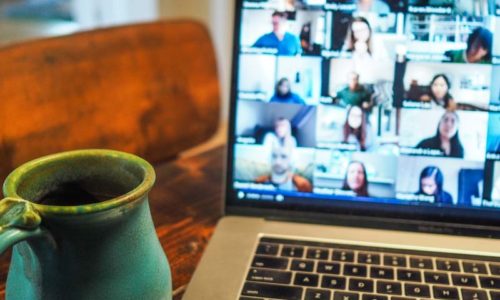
<point x="284" y="33"/>
<point x="449" y="86"/>
<point x="270" y="124"/>
<point x="280" y="79"/>
<point x="280" y="168"/>
<point x="355" y="174"/>
<point x="397" y="101"/>
<point x="456" y="134"/>
<point x="450" y="38"/>
<point x="440" y="181"/>
<point x="354" y="130"/>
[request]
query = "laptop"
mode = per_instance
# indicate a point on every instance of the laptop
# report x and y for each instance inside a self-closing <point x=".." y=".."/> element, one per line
<point x="363" y="160"/>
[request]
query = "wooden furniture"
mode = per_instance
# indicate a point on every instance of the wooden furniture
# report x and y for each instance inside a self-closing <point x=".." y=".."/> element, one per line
<point x="149" y="89"/>
<point x="186" y="204"/>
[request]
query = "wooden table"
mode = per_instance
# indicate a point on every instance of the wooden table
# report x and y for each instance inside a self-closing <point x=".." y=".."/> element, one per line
<point x="186" y="204"/>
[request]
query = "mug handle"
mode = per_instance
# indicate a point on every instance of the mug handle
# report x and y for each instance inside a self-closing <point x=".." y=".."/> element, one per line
<point x="18" y="221"/>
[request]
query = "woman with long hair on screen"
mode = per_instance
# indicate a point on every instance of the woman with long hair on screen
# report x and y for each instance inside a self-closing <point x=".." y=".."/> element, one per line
<point x="439" y="93"/>
<point x="447" y="139"/>
<point x="356" y="129"/>
<point x="431" y="184"/>
<point x="356" y="179"/>
<point x="359" y="37"/>
<point x="281" y="136"/>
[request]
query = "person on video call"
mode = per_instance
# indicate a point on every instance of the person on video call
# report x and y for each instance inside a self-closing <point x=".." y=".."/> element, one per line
<point x="439" y="93"/>
<point x="368" y="55"/>
<point x="354" y="94"/>
<point x="356" y="179"/>
<point x="282" y="135"/>
<point x="285" y="42"/>
<point x="431" y="184"/>
<point x="446" y="139"/>
<point x="282" y="174"/>
<point x="479" y="48"/>
<point x="356" y="130"/>
<point x="283" y="93"/>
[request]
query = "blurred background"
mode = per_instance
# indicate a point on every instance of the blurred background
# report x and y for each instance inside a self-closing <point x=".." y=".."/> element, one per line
<point x="22" y="20"/>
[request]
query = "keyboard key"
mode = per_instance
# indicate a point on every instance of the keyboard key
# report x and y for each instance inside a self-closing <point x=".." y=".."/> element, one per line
<point x="272" y="291"/>
<point x="436" y="277"/>
<point x="270" y="262"/>
<point x="314" y="294"/>
<point x="374" y="297"/>
<point x="447" y="265"/>
<point x="248" y="298"/>
<point x="495" y="269"/>
<point x="361" y="285"/>
<point x="421" y="263"/>
<point x="333" y="282"/>
<point x="463" y="280"/>
<point x="317" y="254"/>
<point x="495" y="295"/>
<point x="343" y="255"/>
<point x="328" y="268"/>
<point x="292" y="251"/>
<point x="445" y="292"/>
<point x="368" y="258"/>
<point x="490" y="282"/>
<point x="302" y="265"/>
<point x="474" y="267"/>
<point x="389" y="287"/>
<point x="474" y="295"/>
<point x="345" y="296"/>
<point x="306" y="279"/>
<point x="395" y="260"/>
<point x="267" y="249"/>
<point x="402" y="298"/>
<point x="417" y="290"/>
<point x="270" y="276"/>
<point x="354" y="270"/>
<point x="383" y="273"/>
<point x="409" y="275"/>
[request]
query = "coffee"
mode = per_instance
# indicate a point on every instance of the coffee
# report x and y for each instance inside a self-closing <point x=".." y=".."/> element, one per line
<point x="78" y="193"/>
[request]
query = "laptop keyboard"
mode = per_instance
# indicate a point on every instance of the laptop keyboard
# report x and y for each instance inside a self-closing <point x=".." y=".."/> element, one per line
<point x="303" y="270"/>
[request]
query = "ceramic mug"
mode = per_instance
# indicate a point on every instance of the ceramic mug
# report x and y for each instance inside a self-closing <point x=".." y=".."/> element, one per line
<point x="81" y="228"/>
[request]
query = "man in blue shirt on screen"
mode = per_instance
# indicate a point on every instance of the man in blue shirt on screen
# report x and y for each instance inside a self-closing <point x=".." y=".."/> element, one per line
<point x="285" y="42"/>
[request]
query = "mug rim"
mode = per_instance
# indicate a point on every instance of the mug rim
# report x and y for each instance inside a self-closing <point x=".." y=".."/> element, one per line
<point x="15" y="177"/>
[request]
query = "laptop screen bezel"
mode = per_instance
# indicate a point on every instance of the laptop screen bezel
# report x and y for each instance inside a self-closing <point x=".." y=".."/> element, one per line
<point x="469" y="221"/>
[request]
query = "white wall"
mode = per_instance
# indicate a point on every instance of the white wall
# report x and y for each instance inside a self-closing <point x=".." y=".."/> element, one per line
<point x="218" y="16"/>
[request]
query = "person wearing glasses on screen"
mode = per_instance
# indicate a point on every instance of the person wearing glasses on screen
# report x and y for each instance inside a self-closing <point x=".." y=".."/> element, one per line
<point x="479" y="48"/>
<point x="431" y="184"/>
<point x="285" y="42"/>
<point x="439" y="93"/>
<point x="283" y="93"/>
<point x="356" y="179"/>
<point x="282" y="175"/>
<point x="356" y="129"/>
<point x="446" y="139"/>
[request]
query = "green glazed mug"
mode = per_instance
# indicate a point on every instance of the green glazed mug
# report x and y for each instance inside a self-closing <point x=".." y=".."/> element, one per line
<point x="81" y="228"/>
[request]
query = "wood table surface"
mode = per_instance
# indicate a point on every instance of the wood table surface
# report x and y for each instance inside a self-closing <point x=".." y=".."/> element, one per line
<point x="186" y="205"/>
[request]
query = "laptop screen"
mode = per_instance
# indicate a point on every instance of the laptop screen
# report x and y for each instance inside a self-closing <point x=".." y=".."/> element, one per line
<point x="368" y="102"/>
